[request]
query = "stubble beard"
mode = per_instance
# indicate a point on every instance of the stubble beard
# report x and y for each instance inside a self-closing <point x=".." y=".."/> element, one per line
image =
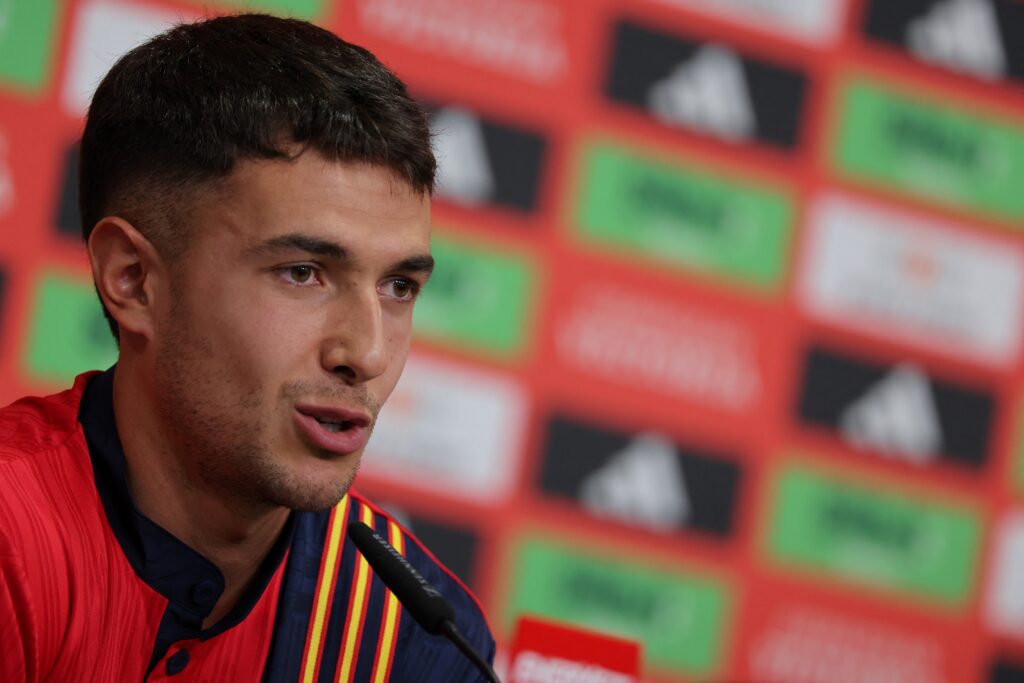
<point x="223" y="449"/>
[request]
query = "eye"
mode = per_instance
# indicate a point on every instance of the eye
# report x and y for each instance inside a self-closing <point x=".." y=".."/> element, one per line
<point x="401" y="289"/>
<point x="302" y="275"/>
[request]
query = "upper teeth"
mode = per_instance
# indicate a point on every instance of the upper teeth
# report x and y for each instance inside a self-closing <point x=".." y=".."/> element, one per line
<point x="332" y="425"/>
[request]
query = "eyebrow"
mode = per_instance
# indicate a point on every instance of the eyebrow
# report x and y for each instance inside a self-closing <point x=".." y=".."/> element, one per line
<point x="307" y="243"/>
<point x="417" y="264"/>
<point x="423" y="263"/>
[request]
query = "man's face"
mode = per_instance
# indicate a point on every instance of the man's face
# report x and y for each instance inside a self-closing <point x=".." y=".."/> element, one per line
<point x="289" y="326"/>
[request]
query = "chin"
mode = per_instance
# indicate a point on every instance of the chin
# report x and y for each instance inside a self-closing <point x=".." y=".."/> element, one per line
<point x="311" y="500"/>
<point x="318" y="488"/>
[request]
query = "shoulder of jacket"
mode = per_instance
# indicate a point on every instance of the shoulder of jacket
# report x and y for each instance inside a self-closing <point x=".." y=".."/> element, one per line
<point x="37" y="424"/>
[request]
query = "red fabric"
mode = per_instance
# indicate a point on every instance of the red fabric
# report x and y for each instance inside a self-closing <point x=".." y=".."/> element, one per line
<point x="71" y="606"/>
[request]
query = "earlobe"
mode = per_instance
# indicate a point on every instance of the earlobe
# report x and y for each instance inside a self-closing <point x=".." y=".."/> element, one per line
<point x="126" y="270"/>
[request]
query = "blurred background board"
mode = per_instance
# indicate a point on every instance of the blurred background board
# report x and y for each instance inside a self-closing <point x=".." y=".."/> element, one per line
<point x="724" y="349"/>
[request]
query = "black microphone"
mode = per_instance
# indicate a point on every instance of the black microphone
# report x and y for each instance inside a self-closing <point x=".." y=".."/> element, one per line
<point x="426" y="605"/>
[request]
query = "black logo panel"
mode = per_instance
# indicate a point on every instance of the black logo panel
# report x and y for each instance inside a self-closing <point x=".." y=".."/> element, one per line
<point x="454" y="546"/>
<point x="483" y="162"/>
<point x="1006" y="672"/>
<point x="642" y="479"/>
<point x="982" y="38"/>
<point x="897" y="410"/>
<point x="705" y="87"/>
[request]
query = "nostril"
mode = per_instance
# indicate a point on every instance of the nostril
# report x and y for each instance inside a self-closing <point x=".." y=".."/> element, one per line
<point x="345" y="371"/>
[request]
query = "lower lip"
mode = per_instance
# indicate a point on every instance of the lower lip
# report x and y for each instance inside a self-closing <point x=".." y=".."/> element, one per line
<point x="345" y="442"/>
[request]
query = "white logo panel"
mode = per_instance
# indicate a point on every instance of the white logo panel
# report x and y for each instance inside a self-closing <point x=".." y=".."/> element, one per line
<point x="891" y="274"/>
<point x="104" y="31"/>
<point x="451" y="429"/>
<point x="1004" y="608"/>
<point x="463" y="170"/>
<point x="812" y="21"/>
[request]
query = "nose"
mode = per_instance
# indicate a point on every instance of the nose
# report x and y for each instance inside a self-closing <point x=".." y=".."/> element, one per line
<point x="355" y="348"/>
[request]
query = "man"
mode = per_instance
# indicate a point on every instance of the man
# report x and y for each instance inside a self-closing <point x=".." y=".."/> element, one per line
<point x="255" y="201"/>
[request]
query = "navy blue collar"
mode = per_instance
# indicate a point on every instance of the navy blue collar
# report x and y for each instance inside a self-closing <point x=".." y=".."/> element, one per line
<point x="191" y="583"/>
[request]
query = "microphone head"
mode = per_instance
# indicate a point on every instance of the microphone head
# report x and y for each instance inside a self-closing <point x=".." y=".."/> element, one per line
<point x="426" y="605"/>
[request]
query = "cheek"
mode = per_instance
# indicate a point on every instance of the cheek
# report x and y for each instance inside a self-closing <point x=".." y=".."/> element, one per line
<point x="398" y="335"/>
<point x="398" y="339"/>
<point x="254" y="336"/>
<point x="278" y="336"/>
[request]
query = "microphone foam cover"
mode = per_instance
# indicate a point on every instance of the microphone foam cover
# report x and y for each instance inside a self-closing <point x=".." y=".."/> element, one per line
<point x="426" y="605"/>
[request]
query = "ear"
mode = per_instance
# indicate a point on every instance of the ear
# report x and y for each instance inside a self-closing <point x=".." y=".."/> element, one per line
<point x="128" y="272"/>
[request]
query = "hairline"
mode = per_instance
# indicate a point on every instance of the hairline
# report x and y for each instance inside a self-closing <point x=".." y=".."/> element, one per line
<point x="171" y="233"/>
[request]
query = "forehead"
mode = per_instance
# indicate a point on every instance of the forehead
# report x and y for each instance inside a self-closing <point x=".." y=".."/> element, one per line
<point x="362" y="205"/>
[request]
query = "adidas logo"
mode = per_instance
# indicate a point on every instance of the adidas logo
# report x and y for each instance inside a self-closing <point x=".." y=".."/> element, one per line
<point x="707" y="93"/>
<point x="896" y="417"/>
<point x="641" y="484"/>
<point x="464" y="173"/>
<point x="962" y="35"/>
<point x="6" y="180"/>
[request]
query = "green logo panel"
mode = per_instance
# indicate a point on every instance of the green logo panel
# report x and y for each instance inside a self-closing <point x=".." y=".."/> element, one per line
<point x="874" y="537"/>
<point x="27" y="29"/>
<point x="302" y="9"/>
<point x="683" y="216"/>
<point x="679" y="618"/>
<point x="68" y="333"/>
<point x="479" y="297"/>
<point x="935" y="151"/>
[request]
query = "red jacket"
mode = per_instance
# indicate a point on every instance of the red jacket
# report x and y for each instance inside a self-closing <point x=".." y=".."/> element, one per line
<point x="90" y="590"/>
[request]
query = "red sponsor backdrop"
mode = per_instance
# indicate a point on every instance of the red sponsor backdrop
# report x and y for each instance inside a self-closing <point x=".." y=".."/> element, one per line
<point x="628" y="343"/>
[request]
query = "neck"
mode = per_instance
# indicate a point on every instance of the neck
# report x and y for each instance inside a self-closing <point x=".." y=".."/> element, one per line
<point x="233" y="534"/>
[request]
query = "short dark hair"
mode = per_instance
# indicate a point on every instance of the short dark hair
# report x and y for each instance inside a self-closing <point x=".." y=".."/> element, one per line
<point x="178" y="111"/>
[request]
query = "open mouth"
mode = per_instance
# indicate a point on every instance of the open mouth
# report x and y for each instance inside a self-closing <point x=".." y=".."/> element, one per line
<point x="334" y="425"/>
<point x="333" y="429"/>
